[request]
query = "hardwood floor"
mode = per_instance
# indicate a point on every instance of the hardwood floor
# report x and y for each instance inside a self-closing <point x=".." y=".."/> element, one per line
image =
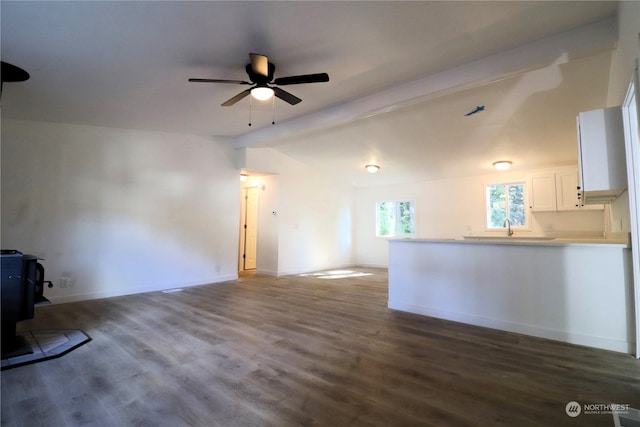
<point x="298" y="351"/>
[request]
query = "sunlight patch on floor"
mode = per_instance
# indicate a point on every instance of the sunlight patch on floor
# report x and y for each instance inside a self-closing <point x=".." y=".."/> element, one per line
<point x="336" y="274"/>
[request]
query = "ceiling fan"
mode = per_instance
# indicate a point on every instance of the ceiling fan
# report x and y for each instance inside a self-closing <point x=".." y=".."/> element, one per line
<point x="260" y="72"/>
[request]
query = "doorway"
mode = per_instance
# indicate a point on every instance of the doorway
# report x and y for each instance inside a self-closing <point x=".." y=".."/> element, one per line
<point x="248" y="229"/>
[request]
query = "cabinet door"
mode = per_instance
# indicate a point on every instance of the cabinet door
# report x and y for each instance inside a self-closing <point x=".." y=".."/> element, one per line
<point x="542" y="192"/>
<point x="567" y="190"/>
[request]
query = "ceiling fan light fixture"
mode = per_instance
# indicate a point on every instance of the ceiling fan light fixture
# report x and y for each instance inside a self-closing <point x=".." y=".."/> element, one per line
<point x="262" y="93"/>
<point x="372" y="168"/>
<point x="502" y="165"/>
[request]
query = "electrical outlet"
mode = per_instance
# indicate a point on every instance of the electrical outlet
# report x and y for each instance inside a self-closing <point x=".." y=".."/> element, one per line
<point x="64" y="282"/>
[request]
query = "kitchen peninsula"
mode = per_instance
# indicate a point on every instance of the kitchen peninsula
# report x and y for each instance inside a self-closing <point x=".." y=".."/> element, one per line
<point x="577" y="291"/>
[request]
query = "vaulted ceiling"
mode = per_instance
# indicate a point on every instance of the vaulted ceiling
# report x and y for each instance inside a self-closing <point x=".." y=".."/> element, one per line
<point x="402" y="76"/>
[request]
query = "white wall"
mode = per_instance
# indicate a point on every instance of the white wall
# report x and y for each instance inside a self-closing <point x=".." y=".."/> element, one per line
<point x="119" y="211"/>
<point x="623" y="62"/>
<point x="314" y="215"/>
<point x="626" y="52"/>
<point x="452" y="208"/>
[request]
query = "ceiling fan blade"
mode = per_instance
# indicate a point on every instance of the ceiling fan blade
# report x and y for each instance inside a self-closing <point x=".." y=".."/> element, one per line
<point x="260" y="64"/>
<point x="306" y="78"/>
<point x="236" y="98"/>
<point x="286" y="96"/>
<point x="239" y="82"/>
<point x="12" y="73"/>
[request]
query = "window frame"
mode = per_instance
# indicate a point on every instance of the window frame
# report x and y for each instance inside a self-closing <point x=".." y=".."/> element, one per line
<point x="527" y="219"/>
<point x="397" y="203"/>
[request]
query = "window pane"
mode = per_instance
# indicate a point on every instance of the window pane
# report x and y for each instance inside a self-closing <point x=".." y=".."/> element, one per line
<point x="496" y="205"/>
<point x="407" y="222"/>
<point x="386" y="219"/>
<point x="516" y="205"/>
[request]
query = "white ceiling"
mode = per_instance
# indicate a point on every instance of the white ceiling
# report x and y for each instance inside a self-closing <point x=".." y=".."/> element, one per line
<point x="126" y="65"/>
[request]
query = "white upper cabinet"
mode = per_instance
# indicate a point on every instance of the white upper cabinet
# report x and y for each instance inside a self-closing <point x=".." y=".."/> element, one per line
<point x="568" y="192"/>
<point x="556" y="190"/>
<point x="602" y="162"/>
<point x="542" y="192"/>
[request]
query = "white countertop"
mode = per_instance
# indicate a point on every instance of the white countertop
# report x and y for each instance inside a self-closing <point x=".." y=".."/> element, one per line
<point x="532" y="241"/>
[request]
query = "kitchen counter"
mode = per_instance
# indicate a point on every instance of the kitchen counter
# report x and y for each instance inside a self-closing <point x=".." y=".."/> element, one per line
<point x="535" y="241"/>
<point x="573" y="290"/>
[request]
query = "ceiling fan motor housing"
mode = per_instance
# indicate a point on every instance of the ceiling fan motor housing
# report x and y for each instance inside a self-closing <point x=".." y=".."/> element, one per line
<point x="260" y="79"/>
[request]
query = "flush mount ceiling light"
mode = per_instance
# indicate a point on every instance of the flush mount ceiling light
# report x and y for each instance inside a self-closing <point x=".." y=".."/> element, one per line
<point x="244" y="177"/>
<point x="502" y="165"/>
<point x="262" y="93"/>
<point x="372" y="168"/>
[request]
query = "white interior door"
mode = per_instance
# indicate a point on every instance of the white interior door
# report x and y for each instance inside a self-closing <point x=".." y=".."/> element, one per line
<point x="632" y="141"/>
<point x="250" y="228"/>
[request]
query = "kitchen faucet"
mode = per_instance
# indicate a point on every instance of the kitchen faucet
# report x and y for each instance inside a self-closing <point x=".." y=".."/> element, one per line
<point x="507" y="223"/>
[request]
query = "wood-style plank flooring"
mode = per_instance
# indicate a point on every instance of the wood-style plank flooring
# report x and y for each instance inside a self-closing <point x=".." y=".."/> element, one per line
<point x="299" y="351"/>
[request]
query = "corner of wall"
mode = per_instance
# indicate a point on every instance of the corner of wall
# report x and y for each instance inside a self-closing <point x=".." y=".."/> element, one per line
<point x="626" y="53"/>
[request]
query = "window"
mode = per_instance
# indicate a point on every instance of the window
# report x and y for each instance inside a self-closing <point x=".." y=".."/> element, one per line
<point x="506" y="201"/>
<point x="395" y="219"/>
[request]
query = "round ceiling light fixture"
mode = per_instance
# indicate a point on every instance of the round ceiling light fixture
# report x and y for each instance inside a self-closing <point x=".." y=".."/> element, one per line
<point x="262" y="93"/>
<point x="502" y="165"/>
<point x="372" y="168"/>
<point x="243" y="177"/>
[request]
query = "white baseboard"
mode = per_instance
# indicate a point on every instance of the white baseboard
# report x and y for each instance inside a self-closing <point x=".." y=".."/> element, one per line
<point x="526" y="329"/>
<point x="130" y="291"/>
<point x="372" y="265"/>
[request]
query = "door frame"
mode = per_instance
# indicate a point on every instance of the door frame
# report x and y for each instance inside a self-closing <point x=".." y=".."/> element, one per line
<point x="244" y="192"/>
<point x="632" y="145"/>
